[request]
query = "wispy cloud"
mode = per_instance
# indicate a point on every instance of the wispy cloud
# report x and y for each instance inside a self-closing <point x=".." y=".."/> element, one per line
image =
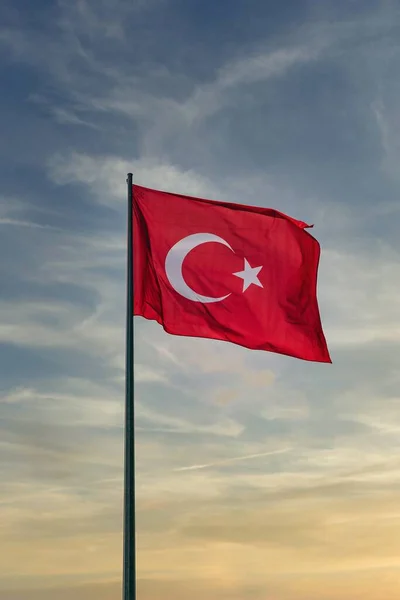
<point x="230" y="460"/>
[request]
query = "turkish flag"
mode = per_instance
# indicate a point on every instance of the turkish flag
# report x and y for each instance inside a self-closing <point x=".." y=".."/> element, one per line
<point x="242" y="274"/>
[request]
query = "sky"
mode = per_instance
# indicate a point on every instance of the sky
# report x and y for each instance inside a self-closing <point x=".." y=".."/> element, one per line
<point x="259" y="476"/>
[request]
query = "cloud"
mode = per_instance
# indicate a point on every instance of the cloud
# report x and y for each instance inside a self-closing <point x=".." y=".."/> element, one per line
<point x="234" y="459"/>
<point x="106" y="176"/>
<point x="261" y="66"/>
<point x="156" y="421"/>
<point x="358" y="292"/>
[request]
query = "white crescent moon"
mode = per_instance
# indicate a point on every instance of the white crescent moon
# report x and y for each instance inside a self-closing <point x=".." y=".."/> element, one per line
<point x="174" y="262"/>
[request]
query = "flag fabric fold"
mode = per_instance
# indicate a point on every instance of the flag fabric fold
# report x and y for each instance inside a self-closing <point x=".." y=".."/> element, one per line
<point x="225" y="271"/>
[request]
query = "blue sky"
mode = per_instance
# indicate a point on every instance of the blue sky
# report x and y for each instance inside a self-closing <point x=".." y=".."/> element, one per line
<point x="258" y="476"/>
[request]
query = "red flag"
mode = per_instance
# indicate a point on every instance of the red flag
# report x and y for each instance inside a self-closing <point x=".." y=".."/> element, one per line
<point x="242" y="274"/>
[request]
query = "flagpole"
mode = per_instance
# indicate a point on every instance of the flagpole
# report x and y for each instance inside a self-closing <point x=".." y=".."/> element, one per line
<point x="129" y="566"/>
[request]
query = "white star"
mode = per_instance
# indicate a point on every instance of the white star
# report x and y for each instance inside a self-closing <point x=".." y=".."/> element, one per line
<point x="249" y="275"/>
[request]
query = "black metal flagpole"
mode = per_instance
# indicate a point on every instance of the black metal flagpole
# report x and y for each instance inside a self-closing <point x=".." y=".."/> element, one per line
<point x="129" y="567"/>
